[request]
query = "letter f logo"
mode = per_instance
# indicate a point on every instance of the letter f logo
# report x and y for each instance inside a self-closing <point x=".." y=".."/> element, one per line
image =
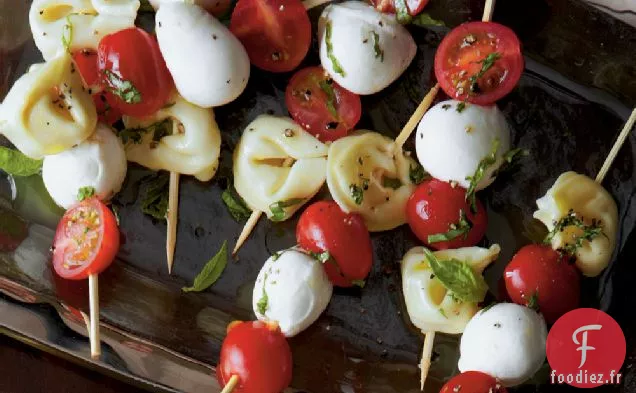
<point x="583" y="344"/>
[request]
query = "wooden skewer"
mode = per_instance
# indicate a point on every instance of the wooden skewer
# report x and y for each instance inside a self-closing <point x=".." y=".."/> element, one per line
<point x="427" y="352"/>
<point x="93" y="299"/>
<point x="622" y="137"/>
<point x="172" y="217"/>
<point x="489" y="8"/>
<point x="416" y="117"/>
<point x="231" y="384"/>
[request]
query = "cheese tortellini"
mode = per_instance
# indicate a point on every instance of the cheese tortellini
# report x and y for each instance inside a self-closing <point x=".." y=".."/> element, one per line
<point x="589" y="201"/>
<point x="278" y="166"/>
<point x="91" y="20"/>
<point x="430" y="305"/>
<point x="366" y="175"/>
<point x="192" y="147"/>
<point x="47" y="110"/>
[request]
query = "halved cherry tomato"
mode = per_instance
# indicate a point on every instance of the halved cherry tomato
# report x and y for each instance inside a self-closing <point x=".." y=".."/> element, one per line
<point x="258" y="353"/>
<point x="275" y="33"/>
<point x="320" y="105"/>
<point x="473" y="382"/>
<point x="132" y="69"/>
<point x="436" y="208"/>
<point x="86" y="240"/>
<point x="538" y="275"/>
<point x="86" y="62"/>
<point x="388" y="6"/>
<point x="323" y="226"/>
<point x="479" y="62"/>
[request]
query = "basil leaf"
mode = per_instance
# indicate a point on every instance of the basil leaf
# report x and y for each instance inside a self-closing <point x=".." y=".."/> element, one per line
<point x="235" y="205"/>
<point x="15" y="163"/>
<point x="417" y="174"/>
<point x="158" y="129"/>
<point x="460" y="107"/>
<point x="263" y="302"/>
<point x="459" y="278"/>
<point x="334" y="61"/>
<point x="424" y="20"/>
<point x="572" y="219"/>
<point x="376" y="46"/>
<point x="483" y="165"/>
<point x="486" y="64"/>
<point x="331" y="97"/>
<point x="533" y="302"/>
<point x="210" y="272"/>
<point x="357" y="193"/>
<point x="155" y="202"/>
<point x="277" y="255"/>
<point x="67" y="34"/>
<point x="441" y="311"/>
<point x="85" y="192"/>
<point x="402" y="12"/>
<point x="359" y="283"/>
<point x="462" y="227"/>
<point x="321" y="257"/>
<point x="278" y="208"/>
<point x="389" y="182"/>
<point x="122" y="88"/>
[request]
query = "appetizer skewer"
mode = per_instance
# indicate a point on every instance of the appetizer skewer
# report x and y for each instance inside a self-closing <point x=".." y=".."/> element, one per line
<point x="172" y="216"/>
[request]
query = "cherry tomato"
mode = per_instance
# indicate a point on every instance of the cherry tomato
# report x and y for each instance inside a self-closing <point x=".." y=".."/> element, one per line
<point x="320" y="105"/>
<point x="323" y="226"/>
<point x="388" y="6"/>
<point x="473" y="382"/>
<point x="538" y="275"/>
<point x="275" y="33"/>
<point x="86" y="240"/>
<point x="86" y="62"/>
<point x="479" y="62"/>
<point x="436" y="208"/>
<point x="106" y="113"/>
<point x="132" y="69"/>
<point x="258" y="353"/>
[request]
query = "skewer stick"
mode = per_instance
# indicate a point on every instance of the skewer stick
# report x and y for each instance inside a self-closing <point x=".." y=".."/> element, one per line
<point x="622" y="137"/>
<point x="93" y="334"/>
<point x="427" y="352"/>
<point x="416" y="117"/>
<point x="173" y="210"/>
<point x="489" y="8"/>
<point x="231" y="384"/>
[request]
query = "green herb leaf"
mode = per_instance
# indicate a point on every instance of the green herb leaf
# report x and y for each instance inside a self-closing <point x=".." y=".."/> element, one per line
<point x="474" y="180"/>
<point x="376" y="46"/>
<point x="533" y="302"/>
<point x="515" y="154"/>
<point x="356" y="193"/>
<point x="235" y="205"/>
<point x="572" y="219"/>
<point x="262" y="303"/>
<point x="321" y="257"/>
<point x="446" y="107"/>
<point x="460" y="107"/>
<point x="462" y="227"/>
<point x="441" y="311"/>
<point x="277" y="255"/>
<point x="334" y="61"/>
<point x="67" y="34"/>
<point x="389" y="182"/>
<point x="210" y="272"/>
<point x="417" y="174"/>
<point x="15" y="163"/>
<point x="486" y="64"/>
<point x="359" y="283"/>
<point x="278" y="208"/>
<point x="85" y="192"/>
<point x="424" y="20"/>
<point x="402" y="12"/>
<point x="155" y="202"/>
<point x="122" y="88"/>
<point x="459" y="278"/>
<point x="331" y="97"/>
<point x="158" y="129"/>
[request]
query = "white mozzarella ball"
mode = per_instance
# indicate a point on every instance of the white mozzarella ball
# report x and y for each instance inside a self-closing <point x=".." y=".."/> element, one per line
<point x="98" y="162"/>
<point x="450" y="143"/>
<point x="362" y="49"/>
<point x="292" y="289"/>
<point x="221" y="69"/>
<point x="506" y="341"/>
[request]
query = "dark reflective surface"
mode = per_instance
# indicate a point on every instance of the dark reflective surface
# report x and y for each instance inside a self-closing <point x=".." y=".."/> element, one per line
<point x="567" y="110"/>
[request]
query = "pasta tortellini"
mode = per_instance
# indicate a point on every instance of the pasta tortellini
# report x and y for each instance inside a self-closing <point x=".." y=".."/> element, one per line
<point x="589" y="201"/>
<point x="180" y="137"/>
<point x="278" y="166"/>
<point x="430" y="305"/>
<point x="90" y="20"/>
<point x="47" y="110"/>
<point x="367" y="176"/>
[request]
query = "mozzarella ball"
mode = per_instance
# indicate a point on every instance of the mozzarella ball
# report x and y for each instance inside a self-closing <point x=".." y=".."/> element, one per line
<point x="506" y="341"/>
<point x="451" y="141"/>
<point x="590" y="201"/>
<point x="98" y="162"/>
<point x="362" y="49"/>
<point x="221" y="69"/>
<point x="292" y="289"/>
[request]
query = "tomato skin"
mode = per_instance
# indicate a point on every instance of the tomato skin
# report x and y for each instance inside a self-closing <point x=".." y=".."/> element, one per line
<point x="538" y="269"/>
<point x="456" y="62"/>
<point x="258" y="353"/>
<point x="307" y="102"/>
<point x="133" y="56"/>
<point x="70" y="229"/>
<point x="435" y="205"/>
<point x="86" y="62"/>
<point x="388" y="6"/>
<point x="323" y="226"/>
<point x="276" y="33"/>
<point x="473" y="382"/>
